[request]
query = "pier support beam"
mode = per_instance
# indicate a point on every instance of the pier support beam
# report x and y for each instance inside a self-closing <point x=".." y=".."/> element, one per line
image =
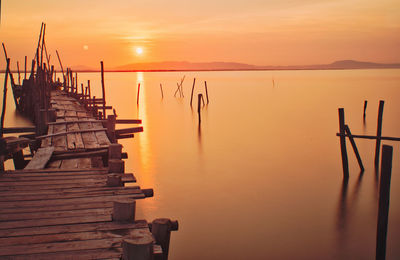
<point x="124" y="210"/>
<point x="161" y="229"/>
<point x="138" y="247"/>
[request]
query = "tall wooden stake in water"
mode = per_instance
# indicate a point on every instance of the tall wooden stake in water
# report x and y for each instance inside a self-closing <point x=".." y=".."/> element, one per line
<point x="191" y="96"/>
<point x="365" y="109"/>
<point x="162" y="93"/>
<point x="384" y="197"/>
<point x="205" y="84"/>
<point x="137" y="96"/>
<point x="200" y="97"/>
<point x="103" y="89"/>
<point x="3" y="111"/>
<point x="342" y="131"/>
<point x="379" y="133"/>
<point x="353" y="144"/>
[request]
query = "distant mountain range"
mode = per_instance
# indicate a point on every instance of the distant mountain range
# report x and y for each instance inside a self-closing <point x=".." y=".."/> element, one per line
<point x="184" y="65"/>
<point x="220" y="66"/>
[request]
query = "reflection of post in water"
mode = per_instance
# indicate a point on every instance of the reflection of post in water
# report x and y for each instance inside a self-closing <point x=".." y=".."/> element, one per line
<point x="384" y="197"/>
<point x="342" y="209"/>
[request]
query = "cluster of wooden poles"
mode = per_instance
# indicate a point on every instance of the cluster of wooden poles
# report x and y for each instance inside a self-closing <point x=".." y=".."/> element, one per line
<point x="200" y="101"/>
<point x="386" y="169"/>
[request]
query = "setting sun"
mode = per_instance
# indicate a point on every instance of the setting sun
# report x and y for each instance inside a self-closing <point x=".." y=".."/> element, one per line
<point x="139" y="50"/>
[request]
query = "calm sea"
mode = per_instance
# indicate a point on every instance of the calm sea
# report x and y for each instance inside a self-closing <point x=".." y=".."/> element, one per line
<point x="261" y="177"/>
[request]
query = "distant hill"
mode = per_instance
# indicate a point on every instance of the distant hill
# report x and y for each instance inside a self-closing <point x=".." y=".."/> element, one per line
<point x="199" y="66"/>
<point x="184" y="65"/>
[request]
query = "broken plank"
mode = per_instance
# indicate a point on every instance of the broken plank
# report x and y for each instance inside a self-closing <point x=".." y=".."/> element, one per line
<point x="40" y="159"/>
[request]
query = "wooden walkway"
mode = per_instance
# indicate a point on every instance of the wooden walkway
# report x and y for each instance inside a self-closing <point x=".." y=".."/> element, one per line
<point x="60" y="207"/>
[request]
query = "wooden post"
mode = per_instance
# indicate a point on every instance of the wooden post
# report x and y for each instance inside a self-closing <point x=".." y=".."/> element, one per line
<point x="353" y="144"/>
<point x="111" y="120"/>
<point x="200" y="96"/>
<point x="379" y="133"/>
<point x="124" y="210"/>
<point x="115" y="151"/>
<point x="205" y="84"/>
<point x="62" y="69"/>
<point x="82" y="93"/>
<point x="384" y="198"/>
<point x="138" y="247"/>
<point x="161" y="229"/>
<point x="19" y="74"/>
<point x="88" y="83"/>
<point x="137" y="96"/>
<point x="116" y="166"/>
<point x="76" y="83"/>
<point x="114" y="180"/>
<point x="103" y="89"/>
<point x="191" y="96"/>
<point x="162" y="93"/>
<point x="365" y="109"/>
<point x="345" y="162"/>
<point x="3" y="111"/>
<point x="18" y="159"/>
<point x="26" y="61"/>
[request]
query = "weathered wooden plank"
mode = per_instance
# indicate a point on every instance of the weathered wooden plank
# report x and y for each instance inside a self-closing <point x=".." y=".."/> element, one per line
<point x="112" y="253"/>
<point x="75" y="139"/>
<point x="14" y="180"/>
<point x="69" y="163"/>
<point x="51" y="208"/>
<point x="54" y="202"/>
<point x="59" y="142"/>
<point x="71" y="132"/>
<point x="69" y="195"/>
<point x="65" y="191"/>
<point x="40" y="159"/>
<point x="47" y="141"/>
<point x="102" y="226"/>
<point x="52" y="222"/>
<point x="54" y="214"/>
<point x="99" y="183"/>
<point x="99" y="169"/>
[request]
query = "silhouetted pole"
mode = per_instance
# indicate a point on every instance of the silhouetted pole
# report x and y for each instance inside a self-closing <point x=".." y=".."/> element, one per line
<point x="3" y="111"/>
<point x="205" y="84"/>
<point x="384" y="197"/>
<point x="191" y="96"/>
<point x="379" y="133"/>
<point x="103" y="89"/>
<point x="200" y="96"/>
<point x="59" y="60"/>
<point x="162" y="93"/>
<point x="19" y="74"/>
<point x="137" y="96"/>
<point x="345" y="162"/>
<point x="26" y="61"/>
<point x="365" y="109"/>
<point x="353" y="144"/>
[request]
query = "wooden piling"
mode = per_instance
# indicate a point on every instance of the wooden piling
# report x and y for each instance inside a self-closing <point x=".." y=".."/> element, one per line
<point x="137" y="96"/>
<point x="162" y="93"/>
<point x="365" y="109"/>
<point x="191" y="96"/>
<point x="384" y="198"/>
<point x="3" y="111"/>
<point x="26" y="61"/>
<point x="76" y="83"/>
<point x="345" y="162"/>
<point x="103" y="89"/>
<point x="200" y="96"/>
<point x="379" y="133"/>
<point x="19" y="74"/>
<point x="114" y="180"/>
<point x="205" y="84"/>
<point x="124" y="210"/>
<point x="353" y="144"/>
<point x="161" y="229"/>
<point x="139" y="247"/>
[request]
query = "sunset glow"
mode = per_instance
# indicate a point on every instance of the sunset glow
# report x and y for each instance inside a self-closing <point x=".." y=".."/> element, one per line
<point x="254" y="32"/>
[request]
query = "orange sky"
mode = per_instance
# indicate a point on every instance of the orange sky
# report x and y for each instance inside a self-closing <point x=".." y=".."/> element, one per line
<point x="260" y="32"/>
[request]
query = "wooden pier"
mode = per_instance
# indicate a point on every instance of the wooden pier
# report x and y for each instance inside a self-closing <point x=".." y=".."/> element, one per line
<point x="70" y="200"/>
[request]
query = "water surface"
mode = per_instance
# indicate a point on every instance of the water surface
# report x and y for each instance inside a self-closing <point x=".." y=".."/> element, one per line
<point x="261" y="177"/>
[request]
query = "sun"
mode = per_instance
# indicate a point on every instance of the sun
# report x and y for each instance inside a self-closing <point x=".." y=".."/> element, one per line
<point x="139" y="50"/>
